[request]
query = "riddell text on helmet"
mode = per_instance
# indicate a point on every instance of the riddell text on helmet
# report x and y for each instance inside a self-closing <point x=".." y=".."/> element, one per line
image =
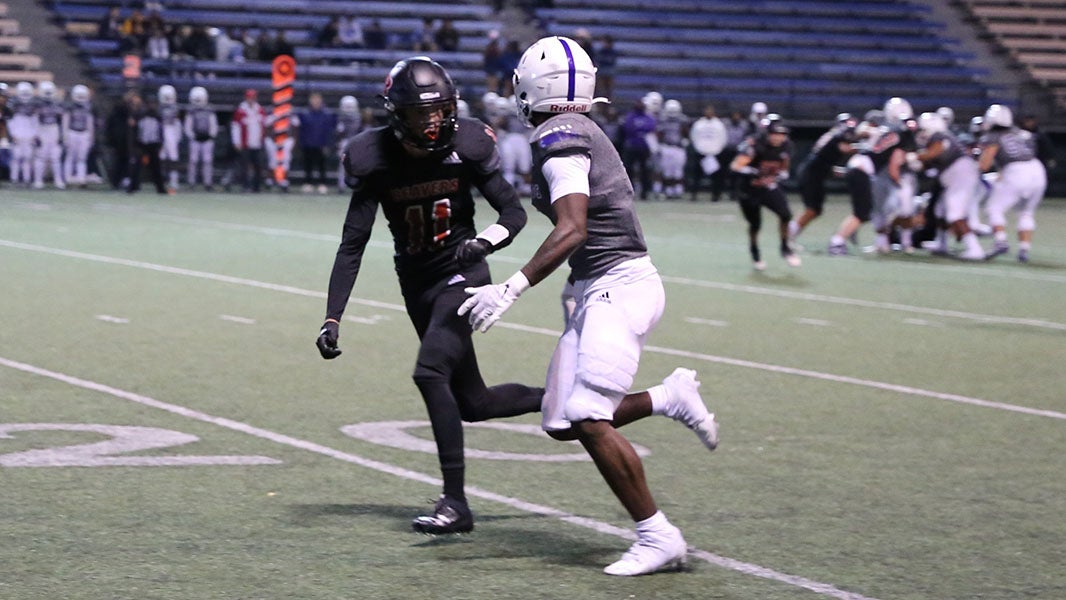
<point x="558" y="108"/>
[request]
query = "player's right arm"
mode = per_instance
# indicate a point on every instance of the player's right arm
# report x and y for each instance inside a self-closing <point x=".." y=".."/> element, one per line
<point x="358" y="224"/>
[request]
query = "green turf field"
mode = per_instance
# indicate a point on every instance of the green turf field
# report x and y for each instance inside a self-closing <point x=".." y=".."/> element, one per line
<point x="892" y="427"/>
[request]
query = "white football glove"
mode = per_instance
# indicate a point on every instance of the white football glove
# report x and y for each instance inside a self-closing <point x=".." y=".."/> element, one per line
<point x="487" y="303"/>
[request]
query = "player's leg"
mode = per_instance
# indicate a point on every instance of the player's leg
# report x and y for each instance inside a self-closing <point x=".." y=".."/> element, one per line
<point x="1033" y="195"/>
<point x="609" y="343"/>
<point x="959" y="181"/>
<point x="751" y="208"/>
<point x="777" y="201"/>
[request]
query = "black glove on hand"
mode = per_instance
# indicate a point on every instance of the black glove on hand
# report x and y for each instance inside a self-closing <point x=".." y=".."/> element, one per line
<point x="472" y="251"/>
<point x="327" y="340"/>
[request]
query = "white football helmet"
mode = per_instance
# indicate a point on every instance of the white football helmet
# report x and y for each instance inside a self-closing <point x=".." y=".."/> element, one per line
<point x="79" y="94"/>
<point x="897" y="110"/>
<point x="554" y="75"/>
<point x="24" y="91"/>
<point x="946" y="113"/>
<point x="653" y="102"/>
<point x="998" y="115"/>
<point x="349" y="105"/>
<point x="977" y="125"/>
<point x="168" y="95"/>
<point x="931" y="122"/>
<point x="672" y="108"/>
<point x="198" y="96"/>
<point x="758" y="111"/>
<point x="46" y="90"/>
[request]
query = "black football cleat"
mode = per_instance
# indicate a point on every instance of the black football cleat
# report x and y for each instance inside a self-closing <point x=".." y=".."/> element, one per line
<point x="449" y="516"/>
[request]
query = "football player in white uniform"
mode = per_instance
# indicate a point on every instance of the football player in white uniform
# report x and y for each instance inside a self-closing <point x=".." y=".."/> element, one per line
<point x="201" y="128"/>
<point x="1021" y="183"/>
<point x="170" y="153"/>
<point x="516" y="158"/>
<point x="79" y="129"/>
<point x="49" y="152"/>
<point x="349" y="124"/>
<point x="959" y="179"/>
<point x="22" y="127"/>
<point x="672" y="132"/>
<point x="579" y="182"/>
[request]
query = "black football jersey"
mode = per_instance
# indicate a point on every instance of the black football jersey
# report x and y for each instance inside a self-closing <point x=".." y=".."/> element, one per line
<point x="767" y="159"/>
<point x="896" y="137"/>
<point x="427" y="202"/>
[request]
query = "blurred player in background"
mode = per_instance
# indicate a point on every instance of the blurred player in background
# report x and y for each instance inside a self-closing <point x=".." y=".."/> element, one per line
<point x="349" y="124"/>
<point x="22" y="127"/>
<point x="170" y="153"/>
<point x="201" y="129"/>
<point x="49" y="152"/>
<point x="79" y="131"/>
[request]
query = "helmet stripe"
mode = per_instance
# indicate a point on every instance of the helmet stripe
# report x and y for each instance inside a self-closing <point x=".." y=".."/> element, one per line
<point x="572" y="75"/>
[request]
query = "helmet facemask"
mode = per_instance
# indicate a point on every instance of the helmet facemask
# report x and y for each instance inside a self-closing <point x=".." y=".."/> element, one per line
<point x="429" y="127"/>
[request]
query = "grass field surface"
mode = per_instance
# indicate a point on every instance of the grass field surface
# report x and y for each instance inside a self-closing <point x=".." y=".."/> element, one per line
<point x="893" y="427"/>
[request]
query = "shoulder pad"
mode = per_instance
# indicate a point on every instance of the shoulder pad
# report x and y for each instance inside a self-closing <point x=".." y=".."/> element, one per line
<point x="363" y="155"/>
<point x="564" y="134"/>
<point x="475" y="140"/>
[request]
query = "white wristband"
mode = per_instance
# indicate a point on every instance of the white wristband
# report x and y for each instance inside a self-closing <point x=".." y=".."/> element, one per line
<point x="495" y="234"/>
<point x="517" y="282"/>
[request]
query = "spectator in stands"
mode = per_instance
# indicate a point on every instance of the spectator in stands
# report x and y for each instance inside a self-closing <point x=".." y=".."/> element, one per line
<point x="111" y="25"/>
<point x="158" y="44"/>
<point x="229" y="47"/>
<point x="636" y="153"/>
<point x="246" y="131"/>
<point x="199" y="45"/>
<point x="146" y="141"/>
<point x="490" y="60"/>
<point x="350" y="32"/>
<point x="606" y="60"/>
<point x="508" y="63"/>
<point x="375" y="36"/>
<point x="329" y="35"/>
<point x="282" y="45"/>
<point x="317" y="125"/>
<point x="447" y="36"/>
<point x="134" y="25"/>
<point x="263" y="47"/>
<point x="421" y="38"/>
<point x="584" y="39"/>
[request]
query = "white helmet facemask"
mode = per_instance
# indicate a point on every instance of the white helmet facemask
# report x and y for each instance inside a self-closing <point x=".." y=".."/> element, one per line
<point x="554" y="75"/>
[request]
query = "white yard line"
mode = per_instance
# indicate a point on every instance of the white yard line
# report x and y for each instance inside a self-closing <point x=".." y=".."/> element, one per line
<point x="824" y="589"/>
<point x="288" y="289"/>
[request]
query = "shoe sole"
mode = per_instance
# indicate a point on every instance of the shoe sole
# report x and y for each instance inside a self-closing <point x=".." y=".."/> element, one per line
<point x="673" y="566"/>
<point x="433" y="533"/>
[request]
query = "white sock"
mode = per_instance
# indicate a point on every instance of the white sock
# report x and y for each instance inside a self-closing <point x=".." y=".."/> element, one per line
<point x="906" y="237"/>
<point x="793" y="228"/>
<point x="971" y="243"/>
<point x="1000" y="236"/>
<point x="653" y="524"/>
<point x="836" y="240"/>
<point x="660" y="399"/>
<point x="1025" y="245"/>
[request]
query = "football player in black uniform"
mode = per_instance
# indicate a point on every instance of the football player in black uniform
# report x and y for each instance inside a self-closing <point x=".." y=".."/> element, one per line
<point x="831" y="149"/>
<point x="763" y="161"/>
<point x="421" y="169"/>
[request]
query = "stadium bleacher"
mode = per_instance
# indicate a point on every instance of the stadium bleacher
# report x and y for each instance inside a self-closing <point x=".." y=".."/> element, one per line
<point x="1033" y="32"/>
<point x="16" y="61"/>
<point x="806" y="58"/>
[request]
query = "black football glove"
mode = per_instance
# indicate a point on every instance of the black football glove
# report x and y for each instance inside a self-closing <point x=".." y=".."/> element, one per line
<point x="472" y="251"/>
<point x="327" y="340"/>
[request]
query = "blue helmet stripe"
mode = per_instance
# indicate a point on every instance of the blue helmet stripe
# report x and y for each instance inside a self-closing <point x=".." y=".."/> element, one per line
<point x="572" y="76"/>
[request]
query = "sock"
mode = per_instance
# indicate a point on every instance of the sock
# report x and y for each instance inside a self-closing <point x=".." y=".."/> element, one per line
<point x="906" y="238"/>
<point x="448" y="434"/>
<point x="836" y="240"/>
<point x="793" y="228"/>
<point x="1025" y="245"/>
<point x="653" y="524"/>
<point x="882" y="240"/>
<point x="971" y="243"/>
<point x="1000" y="236"/>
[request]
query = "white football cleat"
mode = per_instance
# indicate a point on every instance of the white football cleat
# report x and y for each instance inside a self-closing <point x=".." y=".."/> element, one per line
<point x="651" y="553"/>
<point x="687" y="406"/>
